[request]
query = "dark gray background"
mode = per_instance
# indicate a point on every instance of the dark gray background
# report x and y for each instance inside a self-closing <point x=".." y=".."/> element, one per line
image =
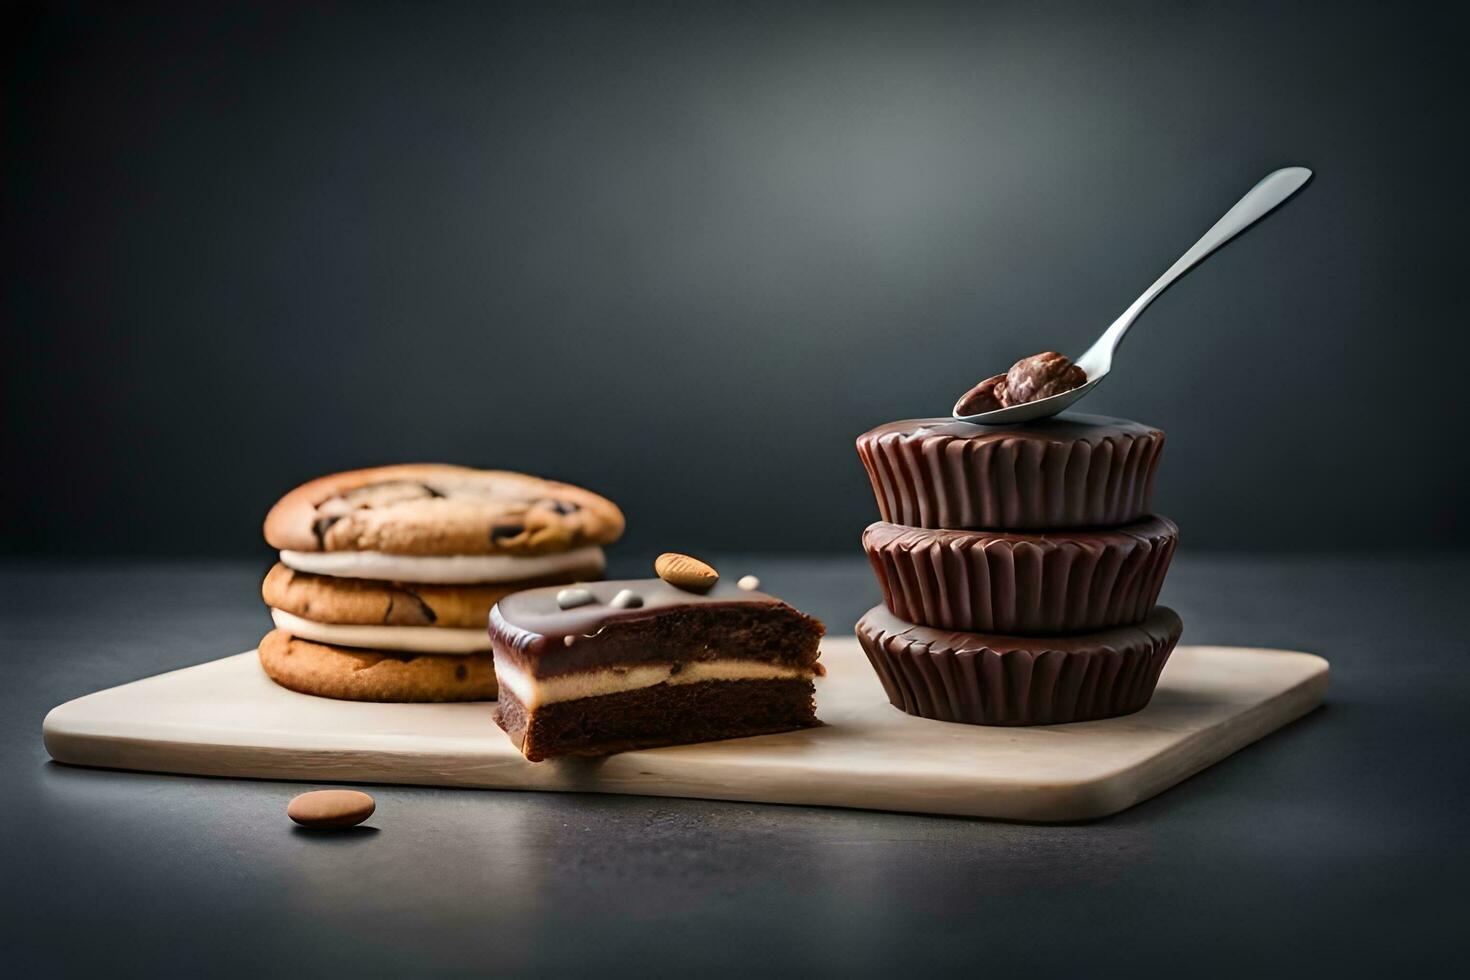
<point x="684" y="253"/>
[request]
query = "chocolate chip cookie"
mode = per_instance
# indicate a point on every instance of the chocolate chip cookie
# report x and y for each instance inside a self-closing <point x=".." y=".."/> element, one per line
<point x="375" y="675"/>
<point x="438" y="509"/>
<point x="363" y="602"/>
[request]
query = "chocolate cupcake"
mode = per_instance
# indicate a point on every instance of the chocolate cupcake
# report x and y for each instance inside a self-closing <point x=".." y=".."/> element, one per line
<point x="998" y="582"/>
<point x="989" y="679"/>
<point x="1067" y="471"/>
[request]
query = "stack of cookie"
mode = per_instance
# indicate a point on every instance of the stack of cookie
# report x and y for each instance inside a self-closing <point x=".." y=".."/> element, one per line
<point x="1020" y="568"/>
<point x="387" y="576"/>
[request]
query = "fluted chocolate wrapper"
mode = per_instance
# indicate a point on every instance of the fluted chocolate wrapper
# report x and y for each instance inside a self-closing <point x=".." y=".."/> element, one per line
<point x="996" y="582"/>
<point x="989" y="679"/>
<point x="1067" y="471"/>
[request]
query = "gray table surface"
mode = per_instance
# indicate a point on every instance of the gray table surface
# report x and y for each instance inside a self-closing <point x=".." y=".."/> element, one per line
<point x="1338" y="844"/>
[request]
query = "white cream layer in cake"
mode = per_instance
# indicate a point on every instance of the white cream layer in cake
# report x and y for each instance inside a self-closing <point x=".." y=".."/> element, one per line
<point x="446" y="569"/>
<point x="534" y="691"/>
<point x="409" y="639"/>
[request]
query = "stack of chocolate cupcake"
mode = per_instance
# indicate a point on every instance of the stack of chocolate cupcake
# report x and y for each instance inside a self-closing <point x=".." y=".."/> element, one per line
<point x="1020" y="566"/>
<point x="387" y="576"/>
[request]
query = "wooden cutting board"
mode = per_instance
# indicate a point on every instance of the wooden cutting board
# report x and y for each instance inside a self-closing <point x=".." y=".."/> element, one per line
<point x="226" y="718"/>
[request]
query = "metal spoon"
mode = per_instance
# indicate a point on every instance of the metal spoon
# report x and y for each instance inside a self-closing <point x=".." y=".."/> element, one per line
<point x="1270" y="193"/>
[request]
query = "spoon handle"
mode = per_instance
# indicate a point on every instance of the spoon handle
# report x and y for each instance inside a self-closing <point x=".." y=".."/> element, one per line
<point x="1270" y="193"/>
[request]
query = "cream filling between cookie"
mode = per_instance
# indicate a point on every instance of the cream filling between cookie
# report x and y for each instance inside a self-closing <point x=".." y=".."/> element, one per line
<point x="409" y="639"/>
<point x="444" y="569"/>
<point x="534" y="691"/>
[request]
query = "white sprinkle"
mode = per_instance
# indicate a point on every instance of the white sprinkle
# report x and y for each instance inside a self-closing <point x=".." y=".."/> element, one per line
<point x="626" y="599"/>
<point x="571" y="598"/>
<point x="569" y="640"/>
<point x="749" y="583"/>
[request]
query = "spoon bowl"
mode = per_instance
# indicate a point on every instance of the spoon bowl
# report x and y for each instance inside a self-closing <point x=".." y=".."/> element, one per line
<point x="1041" y="408"/>
<point x="1097" y="362"/>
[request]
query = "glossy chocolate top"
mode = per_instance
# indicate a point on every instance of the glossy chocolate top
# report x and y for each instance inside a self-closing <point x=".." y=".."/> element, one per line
<point x="533" y="630"/>
<point x="536" y="610"/>
<point x="882" y="535"/>
<point x="1067" y="427"/>
<point x="1162" y="624"/>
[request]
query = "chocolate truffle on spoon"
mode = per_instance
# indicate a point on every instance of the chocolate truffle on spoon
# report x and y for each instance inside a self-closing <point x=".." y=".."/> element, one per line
<point x="1029" y="379"/>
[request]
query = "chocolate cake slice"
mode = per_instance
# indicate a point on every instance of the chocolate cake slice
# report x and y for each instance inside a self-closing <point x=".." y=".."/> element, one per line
<point x="609" y="666"/>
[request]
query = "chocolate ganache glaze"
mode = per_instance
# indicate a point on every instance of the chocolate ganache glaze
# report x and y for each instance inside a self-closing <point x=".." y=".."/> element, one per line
<point x="532" y="631"/>
<point x="1072" y="470"/>
<point x="994" y="581"/>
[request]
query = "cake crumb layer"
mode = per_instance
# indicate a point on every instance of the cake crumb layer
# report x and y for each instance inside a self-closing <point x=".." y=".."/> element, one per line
<point x="655" y="716"/>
